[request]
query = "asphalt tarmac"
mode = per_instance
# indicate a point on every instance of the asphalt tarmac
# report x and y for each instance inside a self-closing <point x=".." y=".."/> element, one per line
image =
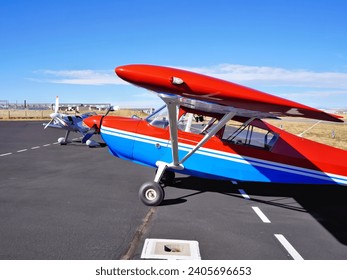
<point x="74" y="202"/>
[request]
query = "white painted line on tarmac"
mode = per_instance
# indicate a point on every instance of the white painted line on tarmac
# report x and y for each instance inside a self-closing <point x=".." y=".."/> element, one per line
<point x="24" y="150"/>
<point x="290" y="249"/>
<point x="7" y="154"/>
<point x="261" y="214"/>
<point x="244" y="194"/>
<point x="234" y="182"/>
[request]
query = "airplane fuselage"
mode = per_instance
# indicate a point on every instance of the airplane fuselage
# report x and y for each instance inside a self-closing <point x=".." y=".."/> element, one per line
<point x="291" y="159"/>
<point x="252" y="151"/>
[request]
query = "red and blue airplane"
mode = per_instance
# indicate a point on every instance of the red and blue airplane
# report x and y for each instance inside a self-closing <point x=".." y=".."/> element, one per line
<point x="214" y="129"/>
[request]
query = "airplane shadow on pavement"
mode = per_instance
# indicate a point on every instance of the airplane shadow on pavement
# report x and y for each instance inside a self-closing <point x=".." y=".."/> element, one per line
<point x="327" y="204"/>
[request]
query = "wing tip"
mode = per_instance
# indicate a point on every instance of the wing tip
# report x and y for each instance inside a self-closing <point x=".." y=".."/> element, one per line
<point x="336" y="118"/>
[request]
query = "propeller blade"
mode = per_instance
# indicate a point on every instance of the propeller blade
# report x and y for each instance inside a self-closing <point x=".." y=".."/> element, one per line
<point x="102" y="118"/>
<point x="109" y="110"/>
<point x="47" y="125"/>
<point x="56" y="108"/>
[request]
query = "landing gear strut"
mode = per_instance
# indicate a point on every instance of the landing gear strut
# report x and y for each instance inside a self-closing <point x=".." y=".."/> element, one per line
<point x="168" y="178"/>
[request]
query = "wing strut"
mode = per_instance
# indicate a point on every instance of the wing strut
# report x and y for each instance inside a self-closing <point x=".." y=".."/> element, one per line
<point x="227" y="117"/>
<point x="172" y="105"/>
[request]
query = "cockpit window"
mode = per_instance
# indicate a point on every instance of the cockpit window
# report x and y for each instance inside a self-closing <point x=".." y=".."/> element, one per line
<point x="197" y="124"/>
<point x="250" y="135"/>
<point x="234" y="132"/>
<point x="159" y="118"/>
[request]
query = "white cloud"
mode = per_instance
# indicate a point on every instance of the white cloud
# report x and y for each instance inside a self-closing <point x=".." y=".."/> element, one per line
<point x="315" y="94"/>
<point x="79" y="77"/>
<point x="243" y="74"/>
<point x="304" y="86"/>
<point x="146" y="94"/>
<point x="274" y="76"/>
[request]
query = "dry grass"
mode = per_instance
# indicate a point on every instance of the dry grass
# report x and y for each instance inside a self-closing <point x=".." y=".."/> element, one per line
<point x="332" y="134"/>
<point x="128" y="113"/>
<point x="24" y="114"/>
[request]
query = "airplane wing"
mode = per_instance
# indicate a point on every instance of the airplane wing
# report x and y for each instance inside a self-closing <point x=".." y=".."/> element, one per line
<point x="197" y="90"/>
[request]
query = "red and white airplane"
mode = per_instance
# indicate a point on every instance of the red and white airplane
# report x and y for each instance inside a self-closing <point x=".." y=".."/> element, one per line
<point x="214" y="129"/>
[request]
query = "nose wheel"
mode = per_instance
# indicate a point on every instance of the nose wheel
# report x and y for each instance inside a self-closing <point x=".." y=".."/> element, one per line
<point x="151" y="194"/>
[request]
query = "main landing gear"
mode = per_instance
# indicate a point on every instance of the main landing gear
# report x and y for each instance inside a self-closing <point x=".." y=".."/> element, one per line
<point x="152" y="193"/>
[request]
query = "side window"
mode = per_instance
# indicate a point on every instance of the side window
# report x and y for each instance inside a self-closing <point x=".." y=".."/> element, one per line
<point x="250" y="135"/>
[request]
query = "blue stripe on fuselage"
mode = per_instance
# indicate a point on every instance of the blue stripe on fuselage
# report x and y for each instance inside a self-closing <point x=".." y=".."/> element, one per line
<point x="211" y="163"/>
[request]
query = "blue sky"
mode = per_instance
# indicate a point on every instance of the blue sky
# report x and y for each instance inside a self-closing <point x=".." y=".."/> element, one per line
<point x="293" y="49"/>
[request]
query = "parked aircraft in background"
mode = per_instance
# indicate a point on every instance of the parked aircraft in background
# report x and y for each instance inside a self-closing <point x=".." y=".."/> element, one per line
<point x="71" y="123"/>
<point x="215" y="129"/>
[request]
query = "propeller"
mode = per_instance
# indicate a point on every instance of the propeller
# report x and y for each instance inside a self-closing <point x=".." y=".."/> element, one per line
<point x="94" y="122"/>
<point x="55" y="116"/>
<point x="47" y="125"/>
<point x="102" y="118"/>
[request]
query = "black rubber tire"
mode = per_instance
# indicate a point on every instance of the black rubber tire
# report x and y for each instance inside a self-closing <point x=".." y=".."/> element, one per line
<point x="151" y="194"/>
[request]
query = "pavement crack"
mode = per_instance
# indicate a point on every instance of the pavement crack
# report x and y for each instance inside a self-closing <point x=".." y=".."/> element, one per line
<point x="138" y="235"/>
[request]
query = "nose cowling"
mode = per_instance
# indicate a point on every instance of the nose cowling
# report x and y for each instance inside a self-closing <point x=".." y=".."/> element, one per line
<point x="93" y="121"/>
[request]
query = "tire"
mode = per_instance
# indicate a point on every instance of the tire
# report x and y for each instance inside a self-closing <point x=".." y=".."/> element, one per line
<point x="151" y="194"/>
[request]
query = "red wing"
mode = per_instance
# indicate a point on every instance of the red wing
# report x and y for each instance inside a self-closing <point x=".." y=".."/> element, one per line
<point x="192" y="86"/>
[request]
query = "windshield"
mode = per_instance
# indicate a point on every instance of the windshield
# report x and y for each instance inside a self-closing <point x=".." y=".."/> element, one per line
<point x="159" y="118"/>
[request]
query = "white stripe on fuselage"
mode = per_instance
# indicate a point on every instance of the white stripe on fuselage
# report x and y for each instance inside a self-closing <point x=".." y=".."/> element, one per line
<point x="227" y="156"/>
